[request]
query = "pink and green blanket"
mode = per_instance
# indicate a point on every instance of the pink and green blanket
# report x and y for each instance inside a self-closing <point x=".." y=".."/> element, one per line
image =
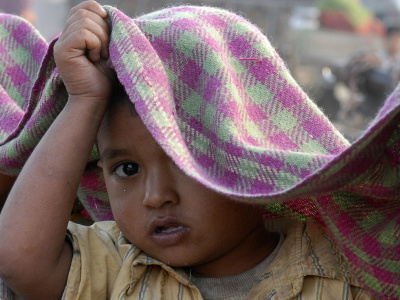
<point x="221" y="102"/>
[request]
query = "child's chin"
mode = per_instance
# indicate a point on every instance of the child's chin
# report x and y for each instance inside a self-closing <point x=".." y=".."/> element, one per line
<point x="176" y="261"/>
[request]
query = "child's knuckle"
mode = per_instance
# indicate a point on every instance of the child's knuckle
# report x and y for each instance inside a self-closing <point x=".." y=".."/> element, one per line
<point x="86" y="22"/>
<point x="83" y="13"/>
<point x="84" y="33"/>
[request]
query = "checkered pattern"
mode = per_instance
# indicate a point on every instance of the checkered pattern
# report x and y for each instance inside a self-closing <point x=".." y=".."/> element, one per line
<point x="222" y="104"/>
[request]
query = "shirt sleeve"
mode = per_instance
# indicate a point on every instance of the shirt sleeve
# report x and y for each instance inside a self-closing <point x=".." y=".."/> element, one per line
<point x="95" y="261"/>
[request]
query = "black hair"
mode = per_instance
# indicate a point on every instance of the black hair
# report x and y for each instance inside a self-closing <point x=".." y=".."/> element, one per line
<point x="118" y="98"/>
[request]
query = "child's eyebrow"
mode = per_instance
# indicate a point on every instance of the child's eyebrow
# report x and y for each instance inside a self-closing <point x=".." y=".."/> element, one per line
<point x="110" y="153"/>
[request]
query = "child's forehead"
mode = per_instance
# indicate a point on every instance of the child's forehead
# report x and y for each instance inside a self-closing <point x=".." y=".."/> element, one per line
<point x="119" y="107"/>
<point x="119" y="99"/>
<point x="124" y="134"/>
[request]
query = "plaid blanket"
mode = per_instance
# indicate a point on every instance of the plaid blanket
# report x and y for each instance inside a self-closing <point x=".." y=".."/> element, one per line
<point x="220" y="101"/>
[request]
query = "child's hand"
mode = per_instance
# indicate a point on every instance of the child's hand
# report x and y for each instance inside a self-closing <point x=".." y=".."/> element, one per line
<point x="81" y="52"/>
<point x="49" y="177"/>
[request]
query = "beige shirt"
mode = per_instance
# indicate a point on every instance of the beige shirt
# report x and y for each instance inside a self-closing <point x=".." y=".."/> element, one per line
<point x="106" y="266"/>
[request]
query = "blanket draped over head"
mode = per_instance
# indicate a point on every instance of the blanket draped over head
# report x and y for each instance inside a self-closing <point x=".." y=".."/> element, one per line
<point x="222" y="104"/>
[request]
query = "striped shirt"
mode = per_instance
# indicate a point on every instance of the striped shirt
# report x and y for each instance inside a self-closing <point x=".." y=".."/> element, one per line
<point x="106" y="266"/>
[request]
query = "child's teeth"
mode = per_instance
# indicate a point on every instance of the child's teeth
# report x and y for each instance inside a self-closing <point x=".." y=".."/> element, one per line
<point x="169" y="230"/>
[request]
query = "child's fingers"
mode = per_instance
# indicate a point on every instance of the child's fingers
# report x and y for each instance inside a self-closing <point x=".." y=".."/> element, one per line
<point x="92" y="6"/>
<point x="82" y="25"/>
<point x="83" y="41"/>
<point x="86" y="14"/>
<point x="88" y="19"/>
<point x="77" y="44"/>
<point x="79" y="50"/>
<point x="93" y="11"/>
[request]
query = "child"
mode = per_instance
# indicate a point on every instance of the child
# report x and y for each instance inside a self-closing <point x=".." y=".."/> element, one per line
<point x="179" y="231"/>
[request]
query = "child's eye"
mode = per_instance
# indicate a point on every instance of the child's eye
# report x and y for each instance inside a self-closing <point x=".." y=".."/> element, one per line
<point x="126" y="169"/>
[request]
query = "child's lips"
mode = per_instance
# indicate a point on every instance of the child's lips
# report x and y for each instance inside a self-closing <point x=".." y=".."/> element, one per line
<point x="169" y="228"/>
<point x="167" y="231"/>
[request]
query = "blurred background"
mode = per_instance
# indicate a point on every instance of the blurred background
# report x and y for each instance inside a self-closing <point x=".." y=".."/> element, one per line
<point x="344" y="53"/>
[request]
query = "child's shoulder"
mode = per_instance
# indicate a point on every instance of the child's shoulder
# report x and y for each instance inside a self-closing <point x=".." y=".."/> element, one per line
<point x="308" y="258"/>
<point x="104" y="235"/>
<point x="309" y="246"/>
<point x="102" y="230"/>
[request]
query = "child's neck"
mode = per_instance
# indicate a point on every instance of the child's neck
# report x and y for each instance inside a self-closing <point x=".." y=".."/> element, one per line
<point x="255" y="248"/>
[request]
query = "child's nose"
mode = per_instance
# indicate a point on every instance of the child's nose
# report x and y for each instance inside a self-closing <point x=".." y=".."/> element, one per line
<point x="160" y="190"/>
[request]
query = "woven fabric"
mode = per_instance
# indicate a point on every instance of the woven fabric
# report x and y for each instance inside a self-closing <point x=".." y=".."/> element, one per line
<point x="220" y="101"/>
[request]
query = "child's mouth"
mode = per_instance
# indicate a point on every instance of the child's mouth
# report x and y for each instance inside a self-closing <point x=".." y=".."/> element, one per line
<point x="169" y="228"/>
<point x="168" y="231"/>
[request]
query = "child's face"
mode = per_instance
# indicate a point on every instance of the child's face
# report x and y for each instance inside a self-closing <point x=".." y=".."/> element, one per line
<point x="167" y="214"/>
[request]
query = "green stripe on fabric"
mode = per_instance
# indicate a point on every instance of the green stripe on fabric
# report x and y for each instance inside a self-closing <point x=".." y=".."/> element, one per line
<point x="372" y="282"/>
<point x="313" y="146"/>
<point x="249" y="168"/>
<point x="284" y="120"/>
<point x="21" y="56"/>
<point x="4" y="33"/>
<point x="259" y="93"/>
<point x="119" y="32"/>
<point x="371" y="220"/>
<point x="7" y="110"/>
<point x="238" y="66"/>
<point x="12" y="91"/>
<point x="286" y="179"/>
<point x="347" y="200"/>
<point x="390" y="235"/>
<point x="187" y="43"/>
<point x="129" y="63"/>
<point x="210" y="112"/>
<point x="253" y="130"/>
<point x="394" y="138"/>
<point x="30" y="137"/>
<point x="280" y="209"/>
<point x="210" y="65"/>
<point x="155" y="29"/>
<point x="192" y="104"/>
<point x="226" y="130"/>
<point x="102" y="196"/>
<point x="201" y="143"/>
<point x="390" y="178"/>
<point x="94" y="154"/>
<point x="164" y="119"/>
<point x="300" y="160"/>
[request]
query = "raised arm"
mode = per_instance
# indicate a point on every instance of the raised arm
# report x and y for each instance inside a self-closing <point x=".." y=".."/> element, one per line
<point x="34" y="257"/>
